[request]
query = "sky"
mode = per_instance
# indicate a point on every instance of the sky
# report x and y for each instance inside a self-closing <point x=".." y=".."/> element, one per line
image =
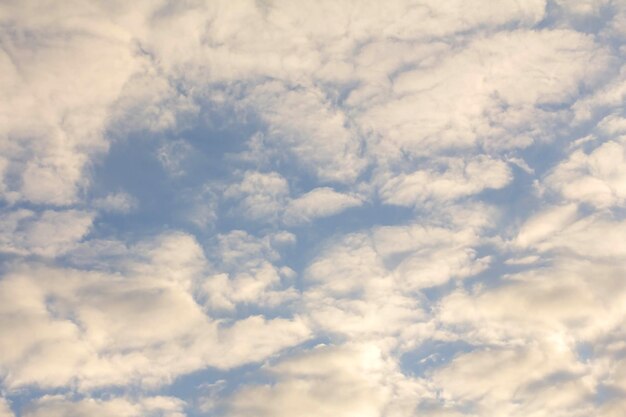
<point x="290" y="208"/>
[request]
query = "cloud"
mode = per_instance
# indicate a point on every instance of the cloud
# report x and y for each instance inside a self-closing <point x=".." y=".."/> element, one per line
<point x="49" y="234"/>
<point x="259" y="286"/>
<point x="259" y="196"/>
<point x="119" y="202"/>
<point x="60" y="406"/>
<point x="317" y="132"/>
<point x="67" y="71"/>
<point x="328" y="381"/>
<point x="545" y="224"/>
<point x="319" y="202"/>
<point x="527" y="335"/>
<point x="5" y="411"/>
<point x="367" y="285"/>
<point x="455" y="179"/>
<point x="572" y="298"/>
<point x="141" y="323"/>
<point x="265" y="197"/>
<point x="613" y="408"/>
<point x="465" y="287"/>
<point x="248" y="271"/>
<point x="609" y="96"/>
<point x="149" y="101"/>
<point x="558" y="230"/>
<point x="514" y="381"/>
<point x="500" y="90"/>
<point x="597" y="177"/>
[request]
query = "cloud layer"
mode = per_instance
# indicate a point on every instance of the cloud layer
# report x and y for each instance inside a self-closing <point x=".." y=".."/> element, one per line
<point x="342" y="208"/>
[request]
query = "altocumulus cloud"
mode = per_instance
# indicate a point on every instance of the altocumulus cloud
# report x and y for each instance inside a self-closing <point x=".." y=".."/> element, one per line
<point x="332" y="208"/>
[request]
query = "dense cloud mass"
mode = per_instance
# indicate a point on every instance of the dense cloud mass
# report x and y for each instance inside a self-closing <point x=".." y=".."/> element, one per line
<point x="318" y="209"/>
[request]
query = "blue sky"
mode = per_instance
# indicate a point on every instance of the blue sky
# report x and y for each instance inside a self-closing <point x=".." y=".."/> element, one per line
<point x="331" y="208"/>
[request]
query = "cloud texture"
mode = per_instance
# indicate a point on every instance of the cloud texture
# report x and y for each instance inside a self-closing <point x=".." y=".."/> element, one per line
<point x="333" y="208"/>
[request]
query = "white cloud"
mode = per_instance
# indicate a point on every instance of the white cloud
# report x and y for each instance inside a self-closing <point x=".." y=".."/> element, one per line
<point x="259" y="196"/>
<point x="353" y="101"/>
<point x="50" y="233"/>
<point x="281" y="40"/>
<point x="516" y="382"/>
<point x="60" y="406"/>
<point x="570" y="300"/>
<point x="527" y="332"/>
<point x="612" y="125"/>
<point x="67" y="72"/>
<point x="328" y="381"/>
<point x="492" y="101"/>
<point x="521" y="164"/>
<point x="613" y="408"/>
<point x="610" y="96"/>
<point x="597" y="177"/>
<point x="139" y="324"/>
<point x="260" y="286"/>
<point x="5" y="411"/>
<point x="119" y="202"/>
<point x="248" y="271"/>
<point x="455" y="179"/>
<point x="319" y="202"/>
<point x="309" y="125"/>
<point x="150" y="102"/>
<point x="594" y="237"/>
<point x="239" y="249"/>
<point x="265" y="198"/>
<point x="546" y="224"/>
<point x="366" y="285"/>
